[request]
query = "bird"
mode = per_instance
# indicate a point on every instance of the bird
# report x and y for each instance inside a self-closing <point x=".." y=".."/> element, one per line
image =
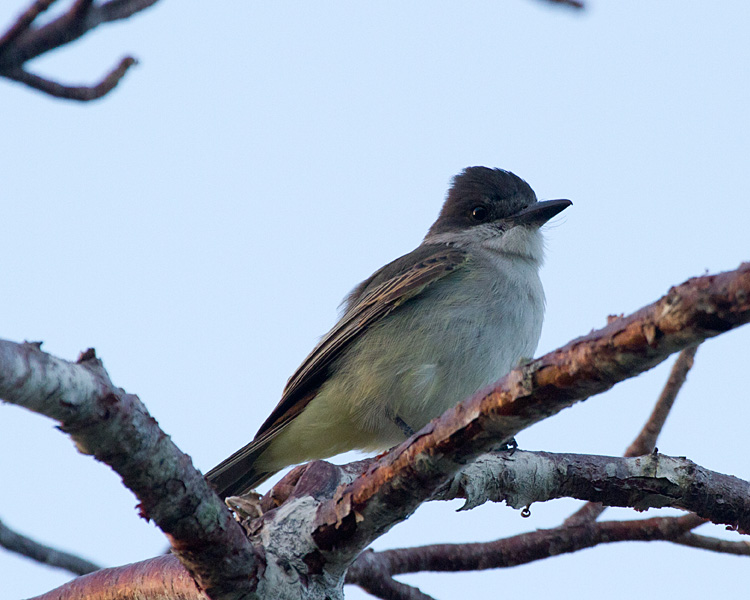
<point x="415" y="338"/>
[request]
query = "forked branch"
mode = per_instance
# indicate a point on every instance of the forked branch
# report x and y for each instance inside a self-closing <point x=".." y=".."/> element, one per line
<point x="328" y="515"/>
<point x="23" y="42"/>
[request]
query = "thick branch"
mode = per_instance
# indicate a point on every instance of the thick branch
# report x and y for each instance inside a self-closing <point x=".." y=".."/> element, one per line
<point x="20" y="544"/>
<point x="411" y="473"/>
<point x="332" y="514"/>
<point x="161" y="578"/>
<point x="519" y="479"/>
<point x="651" y="481"/>
<point x="117" y="429"/>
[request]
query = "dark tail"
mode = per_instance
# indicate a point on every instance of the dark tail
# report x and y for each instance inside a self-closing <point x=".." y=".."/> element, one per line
<point x="239" y="473"/>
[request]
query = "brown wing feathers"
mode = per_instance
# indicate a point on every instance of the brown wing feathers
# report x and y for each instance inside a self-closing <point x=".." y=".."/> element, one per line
<point x="372" y="300"/>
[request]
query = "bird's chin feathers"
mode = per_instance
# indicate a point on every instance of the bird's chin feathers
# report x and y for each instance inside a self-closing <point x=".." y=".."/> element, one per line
<point x="522" y="241"/>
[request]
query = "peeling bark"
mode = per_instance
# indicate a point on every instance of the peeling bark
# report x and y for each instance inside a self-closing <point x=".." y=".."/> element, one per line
<point x="321" y="517"/>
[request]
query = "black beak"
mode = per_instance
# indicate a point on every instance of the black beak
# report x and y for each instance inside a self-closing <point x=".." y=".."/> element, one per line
<point x="540" y="212"/>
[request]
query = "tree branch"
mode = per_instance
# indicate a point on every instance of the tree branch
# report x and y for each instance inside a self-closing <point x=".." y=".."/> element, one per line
<point x="705" y="542"/>
<point x="23" y="42"/>
<point x="651" y="481"/>
<point x="25" y="546"/>
<point x="81" y="93"/>
<point x="519" y="549"/>
<point x="118" y="430"/>
<point x="368" y="573"/>
<point x="408" y="475"/>
<point x="518" y="479"/>
<point x="23" y="22"/>
<point x="568" y="3"/>
<point x="160" y="578"/>
<point x="305" y="544"/>
<point x="645" y="441"/>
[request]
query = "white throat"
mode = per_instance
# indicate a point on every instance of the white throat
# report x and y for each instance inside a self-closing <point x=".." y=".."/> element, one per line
<point x="519" y="241"/>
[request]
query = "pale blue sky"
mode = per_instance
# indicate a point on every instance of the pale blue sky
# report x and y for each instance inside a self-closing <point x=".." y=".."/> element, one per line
<point x="200" y="225"/>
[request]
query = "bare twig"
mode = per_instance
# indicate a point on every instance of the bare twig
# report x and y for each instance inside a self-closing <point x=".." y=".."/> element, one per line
<point x="371" y="577"/>
<point x="22" y="42"/>
<point x="695" y="540"/>
<point x="645" y="441"/>
<point x="569" y="3"/>
<point x="519" y="549"/>
<point x="80" y="9"/>
<point x="20" y="544"/>
<point x="115" y="10"/>
<point x="66" y="28"/>
<point x="25" y="19"/>
<point x="81" y="93"/>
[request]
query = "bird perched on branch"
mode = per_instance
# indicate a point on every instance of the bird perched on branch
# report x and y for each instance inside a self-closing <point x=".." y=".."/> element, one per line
<point x="416" y="337"/>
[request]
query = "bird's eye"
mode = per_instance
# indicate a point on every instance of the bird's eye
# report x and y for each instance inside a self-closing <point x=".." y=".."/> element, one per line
<point x="480" y="213"/>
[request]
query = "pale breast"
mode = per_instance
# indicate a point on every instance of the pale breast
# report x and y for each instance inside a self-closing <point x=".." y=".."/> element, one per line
<point x="461" y="334"/>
